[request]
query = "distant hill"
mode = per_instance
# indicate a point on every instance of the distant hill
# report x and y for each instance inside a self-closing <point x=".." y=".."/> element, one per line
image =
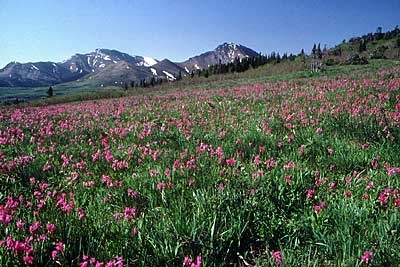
<point x="378" y="45"/>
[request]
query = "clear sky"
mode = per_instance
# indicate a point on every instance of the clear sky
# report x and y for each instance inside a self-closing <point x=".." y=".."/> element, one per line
<point x="54" y="30"/>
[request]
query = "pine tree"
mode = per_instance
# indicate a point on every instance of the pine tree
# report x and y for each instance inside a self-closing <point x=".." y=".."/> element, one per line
<point x="278" y="58"/>
<point x="314" y="49"/>
<point x="363" y="46"/>
<point x="179" y="76"/>
<point x="319" y="51"/>
<point x="50" y="92"/>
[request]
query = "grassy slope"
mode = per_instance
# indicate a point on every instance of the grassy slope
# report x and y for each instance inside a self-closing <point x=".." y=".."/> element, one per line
<point x="286" y="71"/>
<point x="220" y="216"/>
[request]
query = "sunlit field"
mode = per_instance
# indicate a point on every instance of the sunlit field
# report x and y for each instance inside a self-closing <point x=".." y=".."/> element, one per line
<point x="302" y="172"/>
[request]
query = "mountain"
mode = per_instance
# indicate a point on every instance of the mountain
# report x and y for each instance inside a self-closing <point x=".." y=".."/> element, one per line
<point x="112" y="67"/>
<point x="225" y="53"/>
<point x="35" y="74"/>
<point x="167" y="68"/>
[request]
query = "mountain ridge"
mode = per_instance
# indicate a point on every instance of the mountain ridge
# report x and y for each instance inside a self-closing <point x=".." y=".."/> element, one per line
<point x="104" y="66"/>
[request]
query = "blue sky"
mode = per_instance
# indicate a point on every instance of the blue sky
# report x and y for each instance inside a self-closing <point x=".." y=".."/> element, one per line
<point x="54" y="30"/>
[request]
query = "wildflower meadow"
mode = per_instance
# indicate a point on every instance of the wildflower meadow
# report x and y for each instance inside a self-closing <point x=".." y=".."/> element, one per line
<point x="304" y="172"/>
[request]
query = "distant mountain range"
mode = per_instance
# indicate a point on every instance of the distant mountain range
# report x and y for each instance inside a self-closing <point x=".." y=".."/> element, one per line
<point x="111" y="67"/>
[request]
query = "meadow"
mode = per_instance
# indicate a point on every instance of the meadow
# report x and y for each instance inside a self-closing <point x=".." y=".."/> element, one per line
<point x="298" y="172"/>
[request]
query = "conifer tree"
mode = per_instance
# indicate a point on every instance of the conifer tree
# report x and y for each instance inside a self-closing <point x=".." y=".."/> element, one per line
<point x="319" y="51"/>
<point x="179" y="76"/>
<point x="314" y="49"/>
<point x="206" y="73"/>
<point x="50" y="92"/>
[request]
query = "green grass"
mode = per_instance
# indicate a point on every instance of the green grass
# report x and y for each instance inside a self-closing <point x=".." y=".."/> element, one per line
<point x="222" y="169"/>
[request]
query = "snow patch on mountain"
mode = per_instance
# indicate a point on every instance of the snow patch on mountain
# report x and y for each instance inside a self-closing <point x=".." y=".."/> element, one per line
<point x="34" y="67"/>
<point x="169" y="75"/>
<point x="148" y="61"/>
<point x="154" y="71"/>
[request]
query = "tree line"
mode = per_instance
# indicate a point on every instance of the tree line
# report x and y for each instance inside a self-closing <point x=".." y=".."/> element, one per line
<point x="244" y="64"/>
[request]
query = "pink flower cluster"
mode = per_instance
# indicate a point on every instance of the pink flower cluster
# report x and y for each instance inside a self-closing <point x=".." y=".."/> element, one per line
<point x="93" y="262"/>
<point x="187" y="261"/>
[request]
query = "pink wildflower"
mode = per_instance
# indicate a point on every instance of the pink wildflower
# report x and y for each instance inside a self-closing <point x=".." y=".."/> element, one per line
<point x="187" y="261"/>
<point x="129" y="213"/>
<point x="20" y="224"/>
<point x="317" y="208"/>
<point x="28" y="259"/>
<point x="46" y="167"/>
<point x="370" y="185"/>
<point x="288" y="179"/>
<point x="132" y="193"/>
<point x="366" y="257"/>
<point x="270" y="163"/>
<point x="393" y="171"/>
<point x="397" y="202"/>
<point x="277" y="257"/>
<point x="230" y="161"/>
<point x="54" y="254"/>
<point x="81" y="213"/>
<point x="384" y="196"/>
<point x="50" y="228"/>
<point x="35" y="226"/>
<point x="310" y="193"/>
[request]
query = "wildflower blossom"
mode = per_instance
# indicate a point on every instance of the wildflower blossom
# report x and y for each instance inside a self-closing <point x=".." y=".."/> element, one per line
<point x="366" y="257"/>
<point x="187" y="261"/>
<point x="310" y="193"/>
<point x="230" y="161"/>
<point x="50" y="228"/>
<point x="277" y="256"/>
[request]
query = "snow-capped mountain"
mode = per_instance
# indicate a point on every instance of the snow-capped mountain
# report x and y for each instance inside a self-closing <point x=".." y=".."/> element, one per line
<point x="92" y="64"/>
<point x="103" y="58"/>
<point x="225" y="53"/>
<point x="107" y="67"/>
